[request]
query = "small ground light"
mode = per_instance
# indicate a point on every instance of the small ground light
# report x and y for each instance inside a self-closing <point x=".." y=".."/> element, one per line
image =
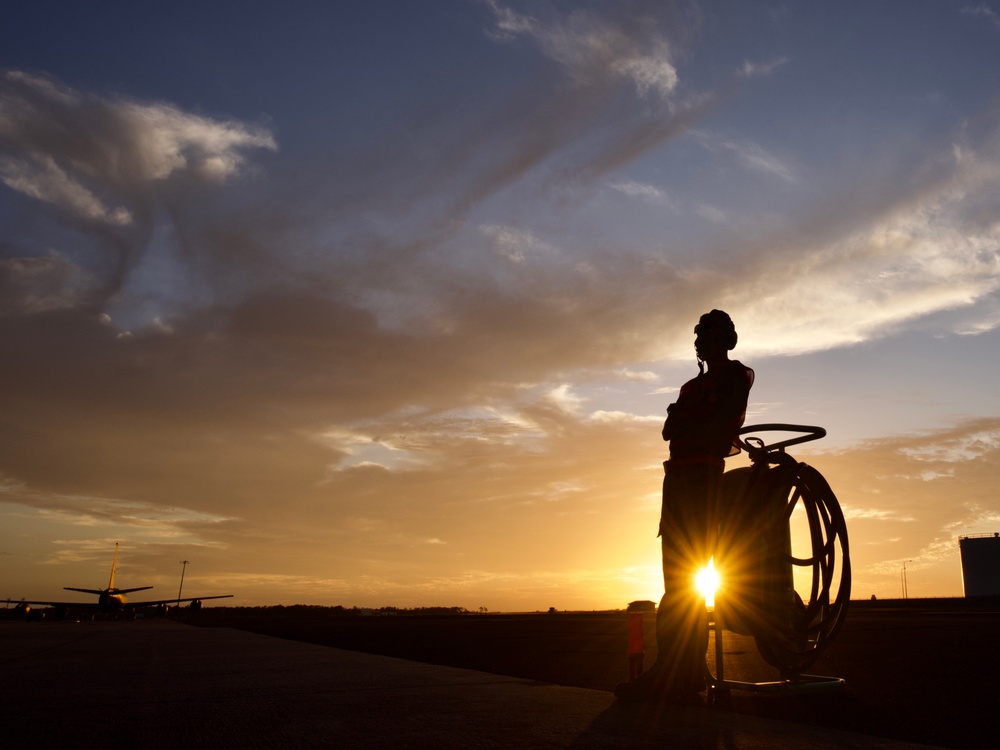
<point x="707" y="581"/>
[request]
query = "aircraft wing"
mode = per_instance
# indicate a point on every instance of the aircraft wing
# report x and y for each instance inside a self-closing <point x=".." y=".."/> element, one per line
<point x="128" y="605"/>
<point x="90" y="605"/>
<point x="175" y="600"/>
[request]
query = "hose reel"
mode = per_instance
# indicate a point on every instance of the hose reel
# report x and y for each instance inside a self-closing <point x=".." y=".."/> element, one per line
<point x="761" y="560"/>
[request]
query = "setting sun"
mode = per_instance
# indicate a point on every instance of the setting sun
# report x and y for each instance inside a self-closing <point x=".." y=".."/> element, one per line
<point x="707" y="581"/>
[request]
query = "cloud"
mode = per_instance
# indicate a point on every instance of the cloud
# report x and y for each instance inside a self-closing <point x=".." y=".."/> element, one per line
<point x="982" y="11"/>
<point x="645" y="191"/>
<point x="293" y="355"/>
<point x="563" y="398"/>
<point x="36" y="285"/>
<point x="106" y="165"/>
<point x="751" y="69"/>
<point x="757" y="158"/>
<point x="960" y="448"/>
<point x="60" y="137"/>
<point x="750" y="155"/>
<point x="135" y="519"/>
<point x="500" y="303"/>
<point x="863" y="268"/>
<point x="711" y="213"/>
<point x="642" y="376"/>
<point x="602" y="415"/>
<point x="589" y="479"/>
<point x="596" y="53"/>
<point x="591" y="49"/>
<point x="918" y="493"/>
<point x="38" y="176"/>
<point x="516" y="244"/>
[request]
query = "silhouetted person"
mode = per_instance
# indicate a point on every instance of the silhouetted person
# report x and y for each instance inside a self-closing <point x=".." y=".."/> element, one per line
<point x="702" y="428"/>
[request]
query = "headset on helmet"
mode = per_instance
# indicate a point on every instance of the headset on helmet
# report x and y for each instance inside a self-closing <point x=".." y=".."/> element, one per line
<point x="717" y="320"/>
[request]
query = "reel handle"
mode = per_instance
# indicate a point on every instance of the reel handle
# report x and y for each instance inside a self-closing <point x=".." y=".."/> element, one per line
<point x="757" y="445"/>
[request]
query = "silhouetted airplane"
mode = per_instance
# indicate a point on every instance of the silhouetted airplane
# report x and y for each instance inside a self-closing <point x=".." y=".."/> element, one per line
<point x="113" y="599"/>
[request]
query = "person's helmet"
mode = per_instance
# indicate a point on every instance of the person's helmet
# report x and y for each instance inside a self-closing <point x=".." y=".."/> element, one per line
<point x="717" y="320"/>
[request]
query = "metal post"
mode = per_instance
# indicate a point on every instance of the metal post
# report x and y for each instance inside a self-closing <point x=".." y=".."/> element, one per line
<point x="184" y="563"/>
<point x="720" y="674"/>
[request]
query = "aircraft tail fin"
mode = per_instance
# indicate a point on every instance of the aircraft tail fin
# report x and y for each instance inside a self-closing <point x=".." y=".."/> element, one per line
<point x="114" y="564"/>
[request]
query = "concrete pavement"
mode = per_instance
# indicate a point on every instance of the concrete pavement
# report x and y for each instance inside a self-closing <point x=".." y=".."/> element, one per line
<point x="161" y="684"/>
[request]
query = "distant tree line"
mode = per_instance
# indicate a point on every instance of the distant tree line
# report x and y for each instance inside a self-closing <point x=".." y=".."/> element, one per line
<point x="315" y="610"/>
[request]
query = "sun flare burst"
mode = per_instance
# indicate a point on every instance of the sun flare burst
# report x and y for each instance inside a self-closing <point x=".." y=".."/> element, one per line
<point x="708" y="581"/>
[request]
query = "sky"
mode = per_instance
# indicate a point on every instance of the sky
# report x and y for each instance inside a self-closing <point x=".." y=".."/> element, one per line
<point x="382" y="303"/>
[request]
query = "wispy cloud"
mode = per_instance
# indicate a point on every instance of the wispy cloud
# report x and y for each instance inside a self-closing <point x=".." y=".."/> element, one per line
<point x="903" y="505"/>
<point x="750" y="69"/>
<point x="641" y="376"/>
<point x="38" y="176"/>
<point x="517" y="244"/>
<point x="750" y="155"/>
<point x="644" y="191"/>
<point x="983" y="11"/>
<point x="958" y="448"/>
<point x="591" y="49"/>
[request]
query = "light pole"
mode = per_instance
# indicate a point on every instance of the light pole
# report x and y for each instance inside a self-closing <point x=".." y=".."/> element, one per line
<point x="906" y="592"/>
<point x="184" y="563"/>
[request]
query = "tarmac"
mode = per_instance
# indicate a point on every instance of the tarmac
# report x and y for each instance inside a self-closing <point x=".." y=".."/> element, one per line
<point x="163" y="684"/>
